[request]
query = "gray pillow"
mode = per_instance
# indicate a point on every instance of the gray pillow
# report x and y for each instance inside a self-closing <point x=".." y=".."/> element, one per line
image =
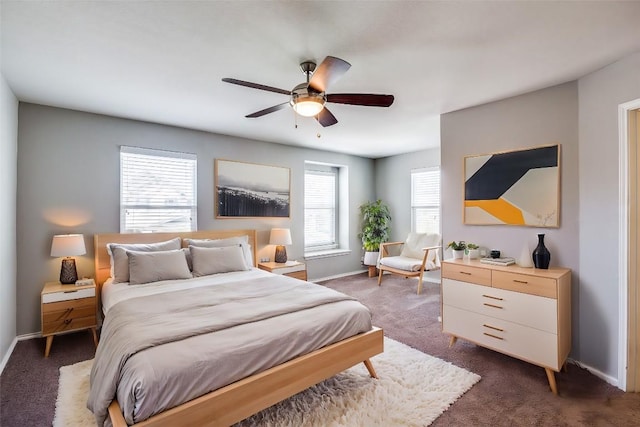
<point x="230" y="241"/>
<point x="217" y="260"/>
<point x="147" y="267"/>
<point x="120" y="261"/>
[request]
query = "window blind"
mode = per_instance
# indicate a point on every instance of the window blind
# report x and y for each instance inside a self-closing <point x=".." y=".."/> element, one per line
<point x="320" y="203"/>
<point x="157" y="190"/>
<point x="425" y="200"/>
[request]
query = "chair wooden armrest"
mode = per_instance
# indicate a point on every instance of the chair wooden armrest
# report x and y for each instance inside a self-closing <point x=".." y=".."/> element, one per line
<point x="383" y="247"/>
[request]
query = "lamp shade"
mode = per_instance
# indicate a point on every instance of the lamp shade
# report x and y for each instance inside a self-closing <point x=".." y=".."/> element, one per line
<point x="280" y="236"/>
<point x="64" y="245"/>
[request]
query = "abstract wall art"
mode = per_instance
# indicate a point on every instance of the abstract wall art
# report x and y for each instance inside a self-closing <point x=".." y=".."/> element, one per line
<point x="520" y="187"/>
<point x="251" y="190"/>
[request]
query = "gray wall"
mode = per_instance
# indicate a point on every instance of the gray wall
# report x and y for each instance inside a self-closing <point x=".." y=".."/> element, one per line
<point x="68" y="181"/>
<point x="597" y="322"/>
<point x="539" y="118"/>
<point x="8" y="185"/>
<point x="393" y="186"/>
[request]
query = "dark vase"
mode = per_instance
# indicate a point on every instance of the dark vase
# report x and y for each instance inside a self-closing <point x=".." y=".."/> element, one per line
<point x="541" y="255"/>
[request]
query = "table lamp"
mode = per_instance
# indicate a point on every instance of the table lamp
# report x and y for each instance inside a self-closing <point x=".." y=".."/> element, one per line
<point x="280" y="237"/>
<point x="68" y="245"/>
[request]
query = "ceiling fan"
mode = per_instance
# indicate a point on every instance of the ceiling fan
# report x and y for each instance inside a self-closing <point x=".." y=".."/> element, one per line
<point x="308" y="99"/>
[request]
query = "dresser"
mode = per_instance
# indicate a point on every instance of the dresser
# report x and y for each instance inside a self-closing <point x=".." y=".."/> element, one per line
<point x="521" y="312"/>
<point x="67" y="308"/>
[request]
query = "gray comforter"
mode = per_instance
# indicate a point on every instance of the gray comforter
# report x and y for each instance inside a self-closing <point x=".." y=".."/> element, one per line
<point x="140" y="324"/>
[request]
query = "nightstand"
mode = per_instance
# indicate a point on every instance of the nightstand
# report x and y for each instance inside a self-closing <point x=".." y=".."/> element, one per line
<point x="294" y="269"/>
<point x="67" y="308"/>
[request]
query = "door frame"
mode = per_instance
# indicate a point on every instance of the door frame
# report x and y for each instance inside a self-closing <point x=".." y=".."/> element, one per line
<point x="623" y="250"/>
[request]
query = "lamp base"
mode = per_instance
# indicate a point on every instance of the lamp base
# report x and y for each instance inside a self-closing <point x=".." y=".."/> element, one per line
<point x="68" y="272"/>
<point x="281" y="254"/>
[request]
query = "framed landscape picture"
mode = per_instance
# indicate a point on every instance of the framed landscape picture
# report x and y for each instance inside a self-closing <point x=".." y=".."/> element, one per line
<point x="251" y="190"/>
<point x="520" y="187"/>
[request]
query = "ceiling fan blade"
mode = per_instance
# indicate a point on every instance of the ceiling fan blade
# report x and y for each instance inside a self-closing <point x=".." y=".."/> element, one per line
<point x="267" y="110"/>
<point x="366" y="99"/>
<point x="325" y="118"/>
<point x="330" y="70"/>
<point x="256" y="86"/>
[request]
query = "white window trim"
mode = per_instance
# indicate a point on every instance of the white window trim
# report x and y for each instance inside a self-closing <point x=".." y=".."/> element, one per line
<point x="413" y="206"/>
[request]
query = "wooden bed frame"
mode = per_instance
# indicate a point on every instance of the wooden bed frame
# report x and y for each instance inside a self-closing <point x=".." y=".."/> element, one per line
<point x="250" y="395"/>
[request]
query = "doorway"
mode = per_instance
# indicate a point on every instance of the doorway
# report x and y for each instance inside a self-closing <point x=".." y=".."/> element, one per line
<point x="629" y="350"/>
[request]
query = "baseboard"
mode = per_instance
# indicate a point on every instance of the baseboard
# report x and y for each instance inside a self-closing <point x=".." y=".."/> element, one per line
<point x="7" y="355"/>
<point x="337" y="276"/>
<point x="608" y="378"/>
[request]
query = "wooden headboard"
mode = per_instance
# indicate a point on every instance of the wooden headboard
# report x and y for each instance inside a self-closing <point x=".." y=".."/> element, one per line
<point x="103" y="265"/>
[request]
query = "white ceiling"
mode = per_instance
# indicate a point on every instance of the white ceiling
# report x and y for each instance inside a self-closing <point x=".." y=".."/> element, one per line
<point x="163" y="61"/>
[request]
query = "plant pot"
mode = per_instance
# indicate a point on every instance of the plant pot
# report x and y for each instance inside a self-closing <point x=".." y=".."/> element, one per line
<point x="371" y="258"/>
<point x="458" y="254"/>
<point x="472" y="253"/>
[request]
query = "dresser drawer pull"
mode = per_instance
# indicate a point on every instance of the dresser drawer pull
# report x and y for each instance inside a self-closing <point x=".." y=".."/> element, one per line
<point x="521" y="281"/>
<point x="464" y="272"/>
<point x="493" y="327"/>
<point x="493" y="336"/>
<point x="492" y="305"/>
<point x="70" y="292"/>
<point x="67" y="321"/>
<point x="496" y="298"/>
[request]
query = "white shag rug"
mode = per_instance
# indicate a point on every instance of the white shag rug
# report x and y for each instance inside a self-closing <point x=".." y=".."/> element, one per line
<point x="413" y="389"/>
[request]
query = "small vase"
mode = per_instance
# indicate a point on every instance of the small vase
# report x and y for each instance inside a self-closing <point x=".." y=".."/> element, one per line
<point x="525" y="257"/>
<point x="458" y="254"/>
<point x="541" y="255"/>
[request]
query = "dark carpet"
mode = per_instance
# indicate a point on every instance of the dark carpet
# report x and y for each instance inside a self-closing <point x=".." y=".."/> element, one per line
<point x="511" y="392"/>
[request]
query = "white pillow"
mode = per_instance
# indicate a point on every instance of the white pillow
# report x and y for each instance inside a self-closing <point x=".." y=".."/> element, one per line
<point x="230" y="241"/>
<point x="217" y="260"/>
<point x="120" y="261"/>
<point x="415" y="242"/>
<point x="147" y="267"/>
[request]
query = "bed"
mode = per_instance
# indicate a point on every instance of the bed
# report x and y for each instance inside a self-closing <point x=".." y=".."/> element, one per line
<point x="304" y="358"/>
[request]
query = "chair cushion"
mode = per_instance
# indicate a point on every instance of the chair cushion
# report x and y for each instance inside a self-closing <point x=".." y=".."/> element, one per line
<point x="415" y="242"/>
<point x="405" y="263"/>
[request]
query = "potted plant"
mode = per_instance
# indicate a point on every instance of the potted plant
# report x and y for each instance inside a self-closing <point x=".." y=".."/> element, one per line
<point x="376" y="220"/>
<point x="457" y="248"/>
<point x="472" y="251"/>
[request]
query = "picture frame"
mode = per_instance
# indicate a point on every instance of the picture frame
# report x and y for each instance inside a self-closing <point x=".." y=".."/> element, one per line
<point x="517" y="187"/>
<point x="250" y="190"/>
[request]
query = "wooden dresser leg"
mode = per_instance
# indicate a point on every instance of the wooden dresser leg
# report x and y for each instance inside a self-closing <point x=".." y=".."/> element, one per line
<point x="369" y="366"/>
<point x="47" y="347"/>
<point x="452" y="340"/>
<point x="552" y="380"/>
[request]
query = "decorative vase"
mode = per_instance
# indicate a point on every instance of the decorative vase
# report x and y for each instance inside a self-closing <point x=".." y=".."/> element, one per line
<point x="525" y="257"/>
<point x="541" y="255"/>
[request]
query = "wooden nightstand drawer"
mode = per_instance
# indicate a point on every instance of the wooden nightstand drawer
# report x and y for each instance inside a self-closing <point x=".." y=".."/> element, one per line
<point x="68" y="310"/>
<point x="68" y="295"/>
<point x="302" y="275"/>
<point x="69" y="324"/>
<point x="534" y="285"/>
<point x="466" y="273"/>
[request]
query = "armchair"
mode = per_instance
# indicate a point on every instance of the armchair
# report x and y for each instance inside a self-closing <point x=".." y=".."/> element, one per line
<point x="420" y="253"/>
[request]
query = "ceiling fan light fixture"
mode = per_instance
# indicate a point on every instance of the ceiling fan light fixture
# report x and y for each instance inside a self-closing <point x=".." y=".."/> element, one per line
<point x="308" y="106"/>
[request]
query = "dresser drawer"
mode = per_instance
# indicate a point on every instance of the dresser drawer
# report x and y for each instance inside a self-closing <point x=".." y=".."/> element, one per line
<point x="466" y="273"/>
<point x="534" y="285"/>
<point x="68" y="295"/>
<point x="526" y="343"/>
<point x="527" y="310"/>
<point x="302" y="275"/>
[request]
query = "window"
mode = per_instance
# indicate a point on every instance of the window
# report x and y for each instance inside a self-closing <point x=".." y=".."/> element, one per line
<point x="425" y="200"/>
<point x="157" y="190"/>
<point x="320" y="207"/>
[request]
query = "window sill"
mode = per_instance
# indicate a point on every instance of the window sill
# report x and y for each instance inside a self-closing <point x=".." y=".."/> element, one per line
<point x="326" y="254"/>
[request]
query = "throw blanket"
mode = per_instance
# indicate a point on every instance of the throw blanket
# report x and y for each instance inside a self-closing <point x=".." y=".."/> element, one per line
<point x="139" y="323"/>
